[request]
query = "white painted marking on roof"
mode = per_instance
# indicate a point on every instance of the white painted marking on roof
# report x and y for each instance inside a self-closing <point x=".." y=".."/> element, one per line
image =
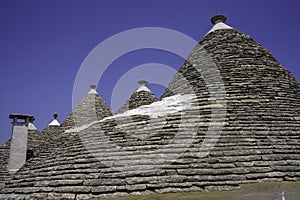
<point x="54" y="123"/>
<point x="81" y="128"/>
<point x="219" y="25"/>
<point x="92" y="91"/>
<point x="143" y="88"/>
<point x="31" y="126"/>
<point x="161" y="108"/>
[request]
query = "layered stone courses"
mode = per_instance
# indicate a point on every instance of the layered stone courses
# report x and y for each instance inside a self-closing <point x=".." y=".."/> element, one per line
<point x="259" y="142"/>
<point x="136" y="100"/>
<point x="91" y="108"/>
<point x="4" y="155"/>
<point x="40" y="143"/>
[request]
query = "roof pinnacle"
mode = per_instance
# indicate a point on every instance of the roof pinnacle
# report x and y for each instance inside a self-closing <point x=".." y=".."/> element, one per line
<point x="143" y="86"/>
<point x="92" y="89"/>
<point x="55" y="115"/>
<point x="143" y="82"/>
<point x="218" y="18"/>
<point x="54" y="121"/>
<point x="219" y="23"/>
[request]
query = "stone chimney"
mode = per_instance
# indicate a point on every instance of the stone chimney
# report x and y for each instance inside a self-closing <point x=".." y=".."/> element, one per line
<point x="18" y="145"/>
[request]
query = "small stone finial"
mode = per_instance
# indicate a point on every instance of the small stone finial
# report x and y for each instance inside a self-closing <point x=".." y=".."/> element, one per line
<point x="55" y="115"/>
<point x="218" y="18"/>
<point x="93" y="87"/>
<point x="143" y="82"/>
<point x="54" y="121"/>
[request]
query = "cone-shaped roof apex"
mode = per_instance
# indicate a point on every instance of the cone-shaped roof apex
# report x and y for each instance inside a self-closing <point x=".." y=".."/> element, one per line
<point x="93" y="90"/>
<point x="54" y="121"/>
<point x="31" y="126"/>
<point x="91" y="108"/>
<point x="218" y="18"/>
<point x="219" y="23"/>
<point x="143" y="86"/>
<point x="142" y="96"/>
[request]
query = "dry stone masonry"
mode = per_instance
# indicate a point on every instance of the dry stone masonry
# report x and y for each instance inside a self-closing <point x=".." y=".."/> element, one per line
<point x="91" y="108"/>
<point x="230" y="116"/>
<point x="142" y="96"/>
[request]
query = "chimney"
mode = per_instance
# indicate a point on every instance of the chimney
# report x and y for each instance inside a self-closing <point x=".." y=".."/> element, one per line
<point x="18" y="145"/>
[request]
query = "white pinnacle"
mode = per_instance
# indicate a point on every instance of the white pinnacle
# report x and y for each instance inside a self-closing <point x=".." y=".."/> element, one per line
<point x="31" y="126"/>
<point x="93" y="90"/>
<point x="143" y="86"/>
<point x="219" y="23"/>
<point x="54" y="121"/>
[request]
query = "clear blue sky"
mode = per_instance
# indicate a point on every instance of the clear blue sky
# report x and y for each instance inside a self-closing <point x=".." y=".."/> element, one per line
<point x="44" y="42"/>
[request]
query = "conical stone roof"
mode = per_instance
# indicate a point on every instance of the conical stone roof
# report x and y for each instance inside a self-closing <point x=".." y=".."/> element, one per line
<point x="91" y="108"/>
<point x="4" y="156"/>
<point x="142" y="96"/>
<point x="54" y="122"/>
<point x="37" y="144"/>
<point x="229" y="65"/>
<point x="229" y="116"/>
<point x="53" y="129"/>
